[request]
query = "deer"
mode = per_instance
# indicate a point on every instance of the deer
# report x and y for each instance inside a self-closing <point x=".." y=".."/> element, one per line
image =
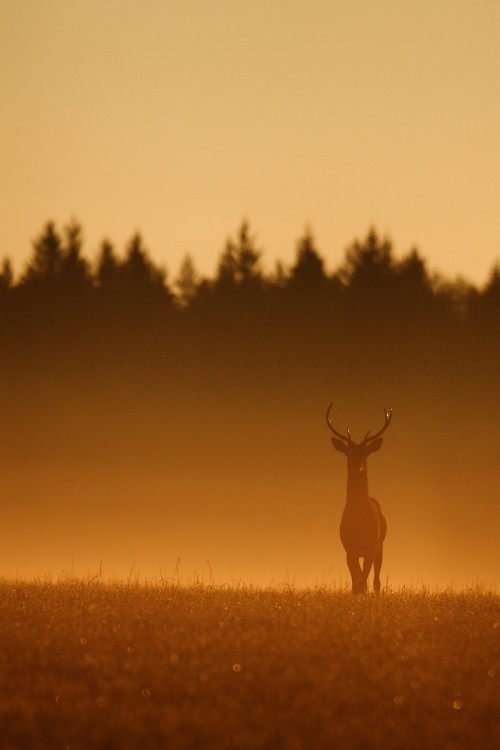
<point x="363" y="526"/>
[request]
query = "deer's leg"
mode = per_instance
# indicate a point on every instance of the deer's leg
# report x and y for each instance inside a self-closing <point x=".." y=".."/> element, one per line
<point x="377" y="564"/>
<point x="367" y="566"/>
<point x="355" y="571"/>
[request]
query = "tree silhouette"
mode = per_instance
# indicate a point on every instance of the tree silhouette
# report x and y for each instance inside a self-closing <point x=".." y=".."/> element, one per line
<point x="6" y="288"/>
<point x="415" y="302"/>
<point x="132" y="284"/>
<point x="297" y="313"/>
<point x="491" y="293"/>
<point x="485" y="306"/>
<point x="239" y="265"/>
<point x="413" y="276"/>
<point x="308" y="273"/>
<point x="368" y="265"/>
<point x="138" y="272"/>
<point x="45" y="266"/>
<point x="57" y="266"/>
<point x="369" y="306"/>
<point x="187" y="283"/>
<point x="74" y="269"/>
<point x="6" y="277"/>
<point x="309" y="297"/>
<point x="107" y="275"/>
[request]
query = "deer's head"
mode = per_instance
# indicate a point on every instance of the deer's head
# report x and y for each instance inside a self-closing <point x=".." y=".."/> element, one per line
<point x="357" y="453"/>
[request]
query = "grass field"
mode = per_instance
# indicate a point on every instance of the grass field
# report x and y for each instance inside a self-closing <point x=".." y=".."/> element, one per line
<point x="88" y="665"/>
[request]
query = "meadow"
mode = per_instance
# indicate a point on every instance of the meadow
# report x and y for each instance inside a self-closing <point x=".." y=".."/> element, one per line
<point x="88" y="664"/>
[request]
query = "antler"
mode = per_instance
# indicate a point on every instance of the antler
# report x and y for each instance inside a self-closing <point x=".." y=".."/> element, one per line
<point x="388" y="416"/>
<point x="347" y="437"/>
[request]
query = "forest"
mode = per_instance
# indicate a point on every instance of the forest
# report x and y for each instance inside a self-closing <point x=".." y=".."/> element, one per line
<point x="60" y="294"/>
<point x="200" y="402"/>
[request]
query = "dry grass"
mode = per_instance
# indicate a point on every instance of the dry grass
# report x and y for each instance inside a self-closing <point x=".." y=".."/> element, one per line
<point x="87" y="665"/>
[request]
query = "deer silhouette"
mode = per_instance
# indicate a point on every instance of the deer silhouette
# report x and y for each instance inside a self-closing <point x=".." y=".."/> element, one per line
<point x="363" y="526"/>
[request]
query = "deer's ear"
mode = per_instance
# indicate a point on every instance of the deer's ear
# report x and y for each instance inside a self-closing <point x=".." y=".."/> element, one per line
<point x="339" y="445"/>
<point x="376" y="445"/>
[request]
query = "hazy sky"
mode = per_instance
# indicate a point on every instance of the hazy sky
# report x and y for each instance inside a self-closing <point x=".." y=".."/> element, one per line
<point x="180" y="118"/>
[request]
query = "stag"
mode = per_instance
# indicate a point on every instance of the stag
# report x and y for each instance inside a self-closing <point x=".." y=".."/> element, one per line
<point x="363" y="526"/>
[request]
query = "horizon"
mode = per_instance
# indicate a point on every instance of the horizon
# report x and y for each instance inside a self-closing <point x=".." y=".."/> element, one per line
<point x="285" y="585"/>
<point x="268" y="268"/>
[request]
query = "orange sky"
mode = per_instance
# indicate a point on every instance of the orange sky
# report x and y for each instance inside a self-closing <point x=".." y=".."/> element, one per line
<point x="181" y="118"/>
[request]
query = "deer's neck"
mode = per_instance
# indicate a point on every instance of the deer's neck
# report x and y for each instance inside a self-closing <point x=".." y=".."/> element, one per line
<point x="357" y="486"/>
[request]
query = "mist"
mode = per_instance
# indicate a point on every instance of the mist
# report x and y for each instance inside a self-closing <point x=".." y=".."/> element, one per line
<point x="155" y="440"/>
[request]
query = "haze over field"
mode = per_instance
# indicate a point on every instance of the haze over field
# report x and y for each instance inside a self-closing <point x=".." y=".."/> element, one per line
<point x="149" y="417"/>
<point x="140" y="429"/>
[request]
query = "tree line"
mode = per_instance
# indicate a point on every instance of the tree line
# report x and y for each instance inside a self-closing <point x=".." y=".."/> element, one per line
<point x="58" y="267"/>
<point x="373" y="299"/>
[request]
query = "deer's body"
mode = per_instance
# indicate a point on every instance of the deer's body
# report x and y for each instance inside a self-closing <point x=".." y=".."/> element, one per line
<point x="363" y="526"/>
